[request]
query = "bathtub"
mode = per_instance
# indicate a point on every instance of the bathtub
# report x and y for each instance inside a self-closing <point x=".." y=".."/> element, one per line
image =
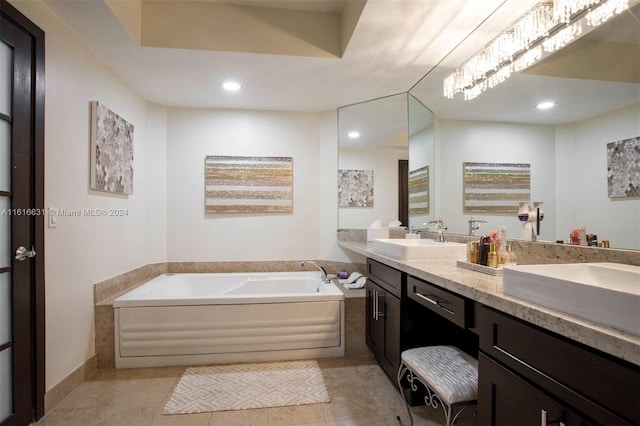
<point x="190" y="319"/>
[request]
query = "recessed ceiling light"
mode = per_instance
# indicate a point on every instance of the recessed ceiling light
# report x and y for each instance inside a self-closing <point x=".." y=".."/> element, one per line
<point x="546" y="105"/>
<point x="354" y="134"/>
<point x="231" y="86"/>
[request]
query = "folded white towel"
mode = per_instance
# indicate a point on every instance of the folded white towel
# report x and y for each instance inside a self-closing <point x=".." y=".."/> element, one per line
<point x="352" y="278"/>
<point x="360" y="282"/>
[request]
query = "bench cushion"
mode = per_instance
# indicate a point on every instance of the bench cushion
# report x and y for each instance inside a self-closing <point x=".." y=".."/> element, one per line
<point x="449" y="372"/>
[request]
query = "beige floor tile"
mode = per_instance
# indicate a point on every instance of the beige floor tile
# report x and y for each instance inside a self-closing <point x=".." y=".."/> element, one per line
<point x="201" y="419"/>
<point x="350" y="405"/>
<point x="362" y="421"/>
<point x="69" y="417"/>
<point x="127" y="416"/>
<point x="257" y="417"/>
<point x="295" y="415"/>
<point x="361" y="394"/>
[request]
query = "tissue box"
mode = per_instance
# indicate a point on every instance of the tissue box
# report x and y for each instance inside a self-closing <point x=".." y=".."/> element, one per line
<point x="373" y="233"/>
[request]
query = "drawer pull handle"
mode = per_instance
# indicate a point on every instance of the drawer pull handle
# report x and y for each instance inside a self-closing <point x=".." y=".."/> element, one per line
<point x="545" y="422"/>
<point x="434" y="302"/>
<point x="375" y="304"/>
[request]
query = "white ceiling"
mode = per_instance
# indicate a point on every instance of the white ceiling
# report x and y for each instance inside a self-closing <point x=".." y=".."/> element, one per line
<point x="394" y="44"/>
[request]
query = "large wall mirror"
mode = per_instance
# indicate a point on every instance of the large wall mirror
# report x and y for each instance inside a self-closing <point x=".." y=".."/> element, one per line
<point x="385" y="163"/>
<point x="372" y="143"/>
<point x="421" y="164"/>
<point x="595" y="85"/>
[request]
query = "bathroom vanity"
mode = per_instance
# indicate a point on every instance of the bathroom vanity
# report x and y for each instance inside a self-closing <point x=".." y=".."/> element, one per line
<point x="536" y="365"/>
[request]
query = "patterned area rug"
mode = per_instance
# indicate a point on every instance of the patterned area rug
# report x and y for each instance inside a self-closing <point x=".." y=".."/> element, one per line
<point x="244" y="386"/>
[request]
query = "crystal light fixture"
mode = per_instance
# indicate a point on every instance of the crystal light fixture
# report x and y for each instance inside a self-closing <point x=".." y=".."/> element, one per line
<point x="563" y="10"/>
<point x="547" y="27"/>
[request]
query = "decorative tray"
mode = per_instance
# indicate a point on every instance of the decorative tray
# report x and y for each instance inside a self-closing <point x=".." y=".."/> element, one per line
<point x="480" y="268"/>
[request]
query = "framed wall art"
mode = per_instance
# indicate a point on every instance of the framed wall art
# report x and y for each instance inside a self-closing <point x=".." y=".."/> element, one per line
<point x="355" y="188"/>
<point x="495" y="187"/>
<point x="623" y="168"/>
<point x="419" y="191"/>
<point x="248" y="184"/>
<point x="111" y="151"/>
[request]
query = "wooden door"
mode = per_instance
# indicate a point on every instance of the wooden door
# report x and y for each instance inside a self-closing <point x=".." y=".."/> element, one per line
<point x="21" y="218"/>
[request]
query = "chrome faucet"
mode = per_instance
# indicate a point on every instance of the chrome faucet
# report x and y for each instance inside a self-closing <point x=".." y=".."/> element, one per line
<point x="441" y="228"/>
<point x="474" y="224"/>
<point x="323" y="272"/>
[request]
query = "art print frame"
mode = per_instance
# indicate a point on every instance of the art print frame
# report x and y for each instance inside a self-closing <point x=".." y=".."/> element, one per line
<point x="355" y="188"/>
<point x="495" y="188"/>
<point x="623" y="168"/>
<point x="238" y="184"/>
<point x="111" y="151"/>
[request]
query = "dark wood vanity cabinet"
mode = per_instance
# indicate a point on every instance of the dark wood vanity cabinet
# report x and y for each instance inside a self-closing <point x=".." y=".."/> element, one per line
<point x="508" y="399"/>
<point x="528" y="374"/>
<point x="383" y="327"/>
<point x="384" y="322"/>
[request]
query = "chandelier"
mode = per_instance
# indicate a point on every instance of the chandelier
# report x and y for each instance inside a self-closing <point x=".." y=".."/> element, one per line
<point x="546" y="28"/>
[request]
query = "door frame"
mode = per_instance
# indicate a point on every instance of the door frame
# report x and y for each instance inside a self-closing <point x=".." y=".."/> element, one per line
<point x="403" y="192"/>
<point x="37" y="221"/>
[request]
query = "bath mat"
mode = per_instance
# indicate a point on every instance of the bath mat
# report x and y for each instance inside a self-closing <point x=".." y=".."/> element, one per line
<point x="245" y="386"/>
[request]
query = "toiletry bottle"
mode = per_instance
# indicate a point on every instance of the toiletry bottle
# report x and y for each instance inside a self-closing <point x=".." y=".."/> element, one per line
<point x="492" y="258"/>
<point x="502" y="248"/>
<point x="484" y="250"/>
<point x="472" y="251"/>
<point x="503" y="239"/>
<point x="513" y="259"/>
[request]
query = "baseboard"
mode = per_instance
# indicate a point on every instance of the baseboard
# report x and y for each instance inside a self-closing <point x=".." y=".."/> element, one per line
<point x="69" y="383"/>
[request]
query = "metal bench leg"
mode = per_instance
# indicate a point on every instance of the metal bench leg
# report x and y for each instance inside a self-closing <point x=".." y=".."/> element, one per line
<point x="401" y="372"/>
<point x="431" y="399"/>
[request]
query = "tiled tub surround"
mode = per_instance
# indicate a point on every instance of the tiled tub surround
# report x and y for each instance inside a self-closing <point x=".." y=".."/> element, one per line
<point x="106" y="291"/>
<point x="487" y="290"/>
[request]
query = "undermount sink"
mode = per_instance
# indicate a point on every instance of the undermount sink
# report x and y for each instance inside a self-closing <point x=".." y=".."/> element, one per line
<point x="606" y="293"/>
<point x="414" y="249"/>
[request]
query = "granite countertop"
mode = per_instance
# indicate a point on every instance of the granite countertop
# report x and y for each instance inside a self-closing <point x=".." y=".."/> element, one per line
<point x="487" y="289"/>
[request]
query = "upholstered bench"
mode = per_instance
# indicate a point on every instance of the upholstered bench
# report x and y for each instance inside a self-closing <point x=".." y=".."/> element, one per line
<point x="449" y="375"/>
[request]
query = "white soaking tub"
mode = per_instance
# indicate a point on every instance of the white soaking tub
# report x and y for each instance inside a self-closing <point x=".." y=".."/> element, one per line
<point x="188" y="319"/>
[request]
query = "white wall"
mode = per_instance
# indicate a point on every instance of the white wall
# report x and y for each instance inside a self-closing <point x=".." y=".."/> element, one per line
<point x="384" y="163"/>
<point x="582" y="194"/>
<point x="196" y="236"/>
<point x="328" y="192"/>
<point x="84" y="250"/>
<point x="475" y="141"/>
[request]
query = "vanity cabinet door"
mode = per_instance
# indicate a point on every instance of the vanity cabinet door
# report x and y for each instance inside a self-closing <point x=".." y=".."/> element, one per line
<point x="505" y="399"/>
<point x="374" y="322"/>
<point x="392" y="331"/>
<point x="383" y="327"/>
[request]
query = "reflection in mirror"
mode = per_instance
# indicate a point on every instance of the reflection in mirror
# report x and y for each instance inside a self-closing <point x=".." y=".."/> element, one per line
<point x="421" y="164"/>
<point x="368" y="162"/>
<point x="595" y="86"/>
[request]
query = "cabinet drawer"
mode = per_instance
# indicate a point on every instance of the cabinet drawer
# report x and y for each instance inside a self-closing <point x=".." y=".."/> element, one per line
<point x="440" y="301"/>
<point x="605" y="388"/>
<point x="386" y="277"/>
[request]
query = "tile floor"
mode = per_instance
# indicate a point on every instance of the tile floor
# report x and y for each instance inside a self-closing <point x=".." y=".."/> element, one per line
<point x="361" y="394"/>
